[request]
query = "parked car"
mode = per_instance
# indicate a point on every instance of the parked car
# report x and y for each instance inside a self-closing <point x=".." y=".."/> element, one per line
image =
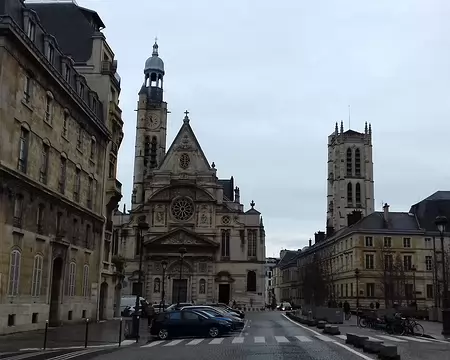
<point x="160" y="308"/>
<point x="285" y="306"/>
<point x="236" y="323"/>
<point x="229" y="309"/>
<point x="178" y="306"/>
<point x="128" y="308"/>
<point x="178" y="323"/>
<point x="128" y="301"/>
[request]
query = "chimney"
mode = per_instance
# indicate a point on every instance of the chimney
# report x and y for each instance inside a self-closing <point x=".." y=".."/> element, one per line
<point x="310" y="242"/>
<point x="386" y="212"/>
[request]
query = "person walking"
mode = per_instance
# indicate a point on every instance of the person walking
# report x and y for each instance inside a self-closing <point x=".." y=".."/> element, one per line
<point x="347" y="312"/>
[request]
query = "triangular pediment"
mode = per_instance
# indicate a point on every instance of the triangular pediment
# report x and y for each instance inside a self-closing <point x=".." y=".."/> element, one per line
<point x="185" y="155"/>
<point x="181" y="237"/>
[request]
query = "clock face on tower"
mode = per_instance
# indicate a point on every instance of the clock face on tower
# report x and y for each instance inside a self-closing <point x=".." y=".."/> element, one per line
<point x="153" y="121"/>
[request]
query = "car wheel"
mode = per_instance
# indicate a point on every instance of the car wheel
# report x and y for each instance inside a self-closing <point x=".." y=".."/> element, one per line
<point x="163" y="334"/>
<point x="213" y="332"/>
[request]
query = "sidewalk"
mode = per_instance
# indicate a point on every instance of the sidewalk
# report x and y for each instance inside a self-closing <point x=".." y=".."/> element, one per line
<point x="101" y="333"/>
<point x="432" y="329"/>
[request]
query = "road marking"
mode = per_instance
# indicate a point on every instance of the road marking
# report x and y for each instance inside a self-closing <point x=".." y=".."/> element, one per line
<point x="238" y="340"/>
<point x="245" y="325"/>
<point x="281" y="339"/>
<point x="127" y="342"/>
<point x="362" y="356"/>
<point x="325" y="338"/>
<point x="216" y="341"/>
<point x="195" y="342"/>
<point x="303" y="338"/>
<point x="173" y="342"/>
<point x="414" y="339"/>
<point x="260" y="339"/>
<point x="24" y="356"/>
<point x="73" y="354"/>
<point x="387" y="337"/>
<point x="154" y="343"/>
<point x="342" y="336"/>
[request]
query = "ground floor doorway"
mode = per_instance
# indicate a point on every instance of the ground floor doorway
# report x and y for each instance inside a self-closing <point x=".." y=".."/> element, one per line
<point x="224" y="293"/>
<point x="55" y="294"/>
<point x="179" y="291"/>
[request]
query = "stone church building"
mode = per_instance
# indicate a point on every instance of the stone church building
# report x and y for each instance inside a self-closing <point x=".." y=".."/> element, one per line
<point x="178" y="194"/>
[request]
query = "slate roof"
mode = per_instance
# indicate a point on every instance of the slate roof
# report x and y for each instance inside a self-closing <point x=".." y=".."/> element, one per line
<point x="289" y="255"/>
<point x="71" y="25"/>
<point x="228" y="188"/>
<point x="437" y="204"/>
<point x="352" y="132"/>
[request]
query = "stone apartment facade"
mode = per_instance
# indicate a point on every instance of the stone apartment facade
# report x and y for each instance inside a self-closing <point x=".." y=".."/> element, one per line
<point x="178" y="194"/>
<point x="95" y="61"/>
<point x="53" y="157"/>
<point x="397" y="254"/>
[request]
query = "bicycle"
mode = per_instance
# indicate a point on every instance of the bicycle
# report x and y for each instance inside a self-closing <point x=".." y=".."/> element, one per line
<point x="411" y="326"/>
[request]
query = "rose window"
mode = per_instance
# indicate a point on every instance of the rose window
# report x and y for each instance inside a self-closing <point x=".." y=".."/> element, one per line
<point x="184" y="161"/>
<point x="182" y="209"/>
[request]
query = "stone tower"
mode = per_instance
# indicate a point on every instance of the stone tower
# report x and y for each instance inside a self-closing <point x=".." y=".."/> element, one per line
<point x="151" y="127"/>
<point x="350" y="177"/>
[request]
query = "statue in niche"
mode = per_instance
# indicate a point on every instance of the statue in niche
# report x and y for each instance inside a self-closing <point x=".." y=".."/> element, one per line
<point x="204" y="215"/>
<point x="159" y="215"/>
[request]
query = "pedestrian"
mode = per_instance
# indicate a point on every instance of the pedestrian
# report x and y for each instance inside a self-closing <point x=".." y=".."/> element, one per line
<point x="347" y="310"/>
<point x="377" y="305"/>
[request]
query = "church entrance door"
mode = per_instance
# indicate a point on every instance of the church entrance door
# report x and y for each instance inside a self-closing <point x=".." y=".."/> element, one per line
<point x="224" y="293"/>
<point x="179" y="291"/>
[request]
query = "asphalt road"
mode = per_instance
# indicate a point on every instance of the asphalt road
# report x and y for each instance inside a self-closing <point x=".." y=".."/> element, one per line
<point x="267" y="335"/>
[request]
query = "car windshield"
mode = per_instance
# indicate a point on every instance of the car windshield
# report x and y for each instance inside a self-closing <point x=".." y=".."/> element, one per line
<point x="204" y="313"/>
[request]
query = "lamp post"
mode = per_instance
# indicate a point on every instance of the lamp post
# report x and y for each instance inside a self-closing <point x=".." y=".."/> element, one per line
<point x="182" y="252"/>
<point x="441" y="223"/>
<point x="142" y="226"/>
<point x="357" y="295"/>
<point x="163" y="291"/>
<point x="413" y="269"/>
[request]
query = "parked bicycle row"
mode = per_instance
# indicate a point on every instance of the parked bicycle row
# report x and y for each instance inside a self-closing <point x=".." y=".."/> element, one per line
<point x="395" y="324"/>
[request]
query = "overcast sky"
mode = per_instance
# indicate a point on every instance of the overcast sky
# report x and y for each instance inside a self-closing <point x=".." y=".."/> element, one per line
<point x="265" y="82"/>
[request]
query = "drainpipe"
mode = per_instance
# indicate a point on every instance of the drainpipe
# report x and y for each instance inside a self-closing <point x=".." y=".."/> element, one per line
<point x="102" y="243"/>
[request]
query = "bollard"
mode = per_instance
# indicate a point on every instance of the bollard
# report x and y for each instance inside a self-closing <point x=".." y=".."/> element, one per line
<point x="138" y="325"/>
<point x="86" y="334"/>
<point x="45" y="334"/>
<point x="120" y="331"/>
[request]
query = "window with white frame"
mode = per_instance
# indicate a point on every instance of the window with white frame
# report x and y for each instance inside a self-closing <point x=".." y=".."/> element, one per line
<point x="86" y="281"/>
<point x="369" y="241"/>
<point x="48" y="109"/>
<point x="14" y="273"/>
<point x="369" y="261"/>
<point x="37" y="276"/>
<point x="428" y="244"/>
<point x="429" y="263"/>
<point x="407" y="242"/>
<point x="72" y="273"/>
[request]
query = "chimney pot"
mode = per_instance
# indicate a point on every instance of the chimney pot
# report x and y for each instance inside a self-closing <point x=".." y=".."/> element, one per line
<point x="310" y="242"/>
<point x="386" y="212"/>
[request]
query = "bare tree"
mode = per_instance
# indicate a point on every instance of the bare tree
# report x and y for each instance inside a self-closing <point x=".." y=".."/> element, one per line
<point x="313" y="280"/>
<point x="391" y="274"/>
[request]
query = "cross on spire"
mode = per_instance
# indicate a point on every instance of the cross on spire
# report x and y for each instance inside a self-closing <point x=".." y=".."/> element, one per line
<point x="156" y="39"/>
<point x="186" y="117"/>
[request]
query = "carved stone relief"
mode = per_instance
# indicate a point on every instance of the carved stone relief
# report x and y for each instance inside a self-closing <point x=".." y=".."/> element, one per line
<point x="159" y="215"/>
<point x="176" y="270"/>
<point x="185" y="143"/>
<point x="163" y="195"/>
<point x="178" y="240"/>
<point x="182" y="192"/>
<point x="204" y="216"/>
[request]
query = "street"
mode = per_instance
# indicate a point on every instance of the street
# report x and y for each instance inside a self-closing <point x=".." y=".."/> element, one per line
<point x="269" y="335"/>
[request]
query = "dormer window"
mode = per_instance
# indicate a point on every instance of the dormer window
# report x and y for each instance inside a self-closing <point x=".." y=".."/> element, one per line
<point x="50" y="53"/>
<point x="67" y="72"/>
<point x="81" y="92"/>
<point x="31" y="30"/>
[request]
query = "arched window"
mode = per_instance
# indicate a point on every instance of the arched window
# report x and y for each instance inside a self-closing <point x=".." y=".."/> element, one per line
<point x="36" y="280"/>
<point x="349" y="194"/>
<point x="202" y="286"/>
<point x="14" y="273"/>
<point x="72" y="277"/>
<point x="358" y="194"/>
<point x="349" y="162"/>
<point x="357" y="162"/>
<point x="251" y="281"/>
<point x="147" y="146"/>
<point x="157" y="286"/>
<point x="85" y="281"/>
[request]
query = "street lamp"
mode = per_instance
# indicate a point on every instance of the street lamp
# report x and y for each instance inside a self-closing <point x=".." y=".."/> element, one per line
<point x="163" y="294"/>
<point x="142" y="226"/>
<point x="182" y="252"/>
<point x="413" y="269"/>
<point x="441" y="223"/>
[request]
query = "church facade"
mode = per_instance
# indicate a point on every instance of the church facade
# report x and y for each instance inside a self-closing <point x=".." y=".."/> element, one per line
<point x="200" y="245"/>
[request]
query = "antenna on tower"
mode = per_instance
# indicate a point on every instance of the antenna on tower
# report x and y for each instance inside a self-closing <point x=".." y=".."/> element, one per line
<point x="349" y="117"/>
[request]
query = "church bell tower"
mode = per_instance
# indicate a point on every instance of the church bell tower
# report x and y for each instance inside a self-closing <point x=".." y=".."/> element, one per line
<point x="350" y="177"/>
<point x="151" y="126"/>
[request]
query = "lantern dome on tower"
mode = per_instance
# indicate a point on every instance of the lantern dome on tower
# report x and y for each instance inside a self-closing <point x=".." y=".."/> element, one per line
<point x="154" y="63"/>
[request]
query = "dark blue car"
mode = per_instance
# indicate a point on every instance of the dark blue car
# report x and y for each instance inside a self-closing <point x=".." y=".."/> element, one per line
<point x="187" y="323"/>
